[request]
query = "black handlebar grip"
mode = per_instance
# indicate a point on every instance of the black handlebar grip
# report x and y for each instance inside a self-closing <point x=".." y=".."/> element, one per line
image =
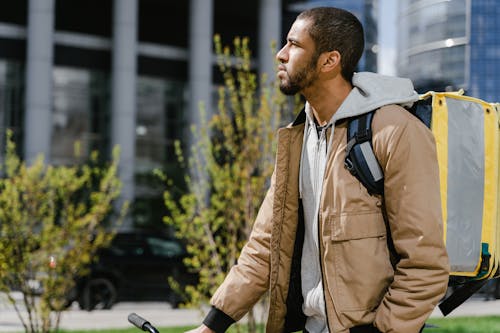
<point x="137" y="321"/>
<point x="141" y="323"/>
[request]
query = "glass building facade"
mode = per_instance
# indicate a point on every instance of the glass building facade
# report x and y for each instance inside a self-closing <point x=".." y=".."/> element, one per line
<point x="167" y="58"/>
<point x="484" y="53"/>
<point x="67" y="66"/>
<point x="11" y="100"/>
<point x="448" y="45"/>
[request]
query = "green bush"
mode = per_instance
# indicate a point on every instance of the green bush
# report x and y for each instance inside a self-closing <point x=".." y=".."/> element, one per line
<point x="51" y="225"/>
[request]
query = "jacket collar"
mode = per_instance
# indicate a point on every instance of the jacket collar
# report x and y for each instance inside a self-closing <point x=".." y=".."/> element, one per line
<point x="301" y="118"/>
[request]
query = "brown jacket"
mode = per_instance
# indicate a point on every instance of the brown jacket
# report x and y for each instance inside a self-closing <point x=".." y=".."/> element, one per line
<point x="363" y="282"/>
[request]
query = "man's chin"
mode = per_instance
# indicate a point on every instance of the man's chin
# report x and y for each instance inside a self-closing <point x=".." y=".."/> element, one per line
<point x="288" y="90"/>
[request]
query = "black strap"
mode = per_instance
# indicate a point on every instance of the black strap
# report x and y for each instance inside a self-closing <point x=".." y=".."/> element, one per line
<point x="364" y="132"/>
<point x="394" y="256"/>
<point x="359" y="135"/>
<point x="460" y="295"/>
<point x="358" y="131"/>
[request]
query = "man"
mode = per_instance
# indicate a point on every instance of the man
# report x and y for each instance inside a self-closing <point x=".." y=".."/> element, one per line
<point x="320" y="243"/>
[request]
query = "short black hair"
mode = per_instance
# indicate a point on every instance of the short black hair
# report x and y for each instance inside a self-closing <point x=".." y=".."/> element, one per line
<point x="336" y="29"/>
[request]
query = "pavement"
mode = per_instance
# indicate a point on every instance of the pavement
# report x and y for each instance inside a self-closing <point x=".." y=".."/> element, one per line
<point x="160" y="314"/>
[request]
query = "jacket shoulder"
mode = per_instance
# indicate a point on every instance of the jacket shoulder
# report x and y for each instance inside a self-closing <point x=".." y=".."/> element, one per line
<point x="391" y="117"/>
<point x="394" y="114"/>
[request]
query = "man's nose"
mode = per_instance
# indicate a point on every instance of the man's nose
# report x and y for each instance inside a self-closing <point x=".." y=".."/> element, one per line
<point x="281" y="56"/>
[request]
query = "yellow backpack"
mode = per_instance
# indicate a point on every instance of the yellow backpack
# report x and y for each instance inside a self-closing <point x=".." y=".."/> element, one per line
<point x="466" y="131"/>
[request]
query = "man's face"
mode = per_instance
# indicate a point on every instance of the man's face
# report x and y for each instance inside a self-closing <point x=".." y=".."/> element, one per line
<point x="298" y="60"/>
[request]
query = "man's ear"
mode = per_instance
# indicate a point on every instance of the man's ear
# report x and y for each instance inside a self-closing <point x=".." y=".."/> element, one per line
<point x="330" y="61"/>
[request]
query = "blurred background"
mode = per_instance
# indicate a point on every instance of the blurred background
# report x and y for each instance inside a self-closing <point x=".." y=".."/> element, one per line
<point x="132" y="72"/>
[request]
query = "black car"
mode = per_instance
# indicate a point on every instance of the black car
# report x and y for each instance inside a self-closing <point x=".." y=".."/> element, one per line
<point x="135" y="267"/>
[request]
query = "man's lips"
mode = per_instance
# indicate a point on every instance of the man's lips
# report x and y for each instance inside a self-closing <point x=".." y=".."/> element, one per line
<point x="281" y="71"/>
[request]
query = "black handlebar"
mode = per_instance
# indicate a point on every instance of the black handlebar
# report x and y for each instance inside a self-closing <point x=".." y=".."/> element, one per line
<point x="141" y="323"/>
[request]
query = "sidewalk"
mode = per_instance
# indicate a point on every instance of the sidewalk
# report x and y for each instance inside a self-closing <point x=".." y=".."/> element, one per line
<point x="158" y="313"/>
<point x="162" y="315"/>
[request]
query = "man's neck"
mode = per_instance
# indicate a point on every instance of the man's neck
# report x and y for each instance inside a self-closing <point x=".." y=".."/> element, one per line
<point x="326" y="99"/>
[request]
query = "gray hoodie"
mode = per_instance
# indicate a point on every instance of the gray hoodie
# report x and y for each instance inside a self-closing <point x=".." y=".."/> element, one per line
<point x="371" y="91"/>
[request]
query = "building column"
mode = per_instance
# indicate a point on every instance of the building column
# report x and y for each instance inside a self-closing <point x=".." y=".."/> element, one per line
<point x="38" y="97"/>
<point x="200" y="59"/>
<point x="269" y="31"/>
<point x="123" y="94"/>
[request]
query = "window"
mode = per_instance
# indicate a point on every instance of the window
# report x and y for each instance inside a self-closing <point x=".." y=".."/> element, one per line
<point x="164" y="248"/>
<point x="11" y="101"/>
<point x="79" y="114"/>
<point x="160" y="122"/>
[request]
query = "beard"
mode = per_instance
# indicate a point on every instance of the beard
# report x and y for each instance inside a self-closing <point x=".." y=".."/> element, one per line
<point x="298" y="81"/>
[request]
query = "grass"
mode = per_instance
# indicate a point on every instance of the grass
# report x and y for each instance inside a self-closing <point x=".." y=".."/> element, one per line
<point x="483" y="324"/>
<point x="486" y="324"/>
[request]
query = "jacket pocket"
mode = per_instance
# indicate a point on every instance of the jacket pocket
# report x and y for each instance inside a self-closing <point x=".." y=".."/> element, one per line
<point x="361" y="270"/>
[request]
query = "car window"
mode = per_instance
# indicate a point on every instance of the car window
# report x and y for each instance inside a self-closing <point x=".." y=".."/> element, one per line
<point x="127" y="249"/>
<point x="164" y="248"/>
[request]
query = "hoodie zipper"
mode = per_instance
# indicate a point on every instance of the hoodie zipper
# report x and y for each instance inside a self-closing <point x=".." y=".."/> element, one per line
<point x="319" y="179"/>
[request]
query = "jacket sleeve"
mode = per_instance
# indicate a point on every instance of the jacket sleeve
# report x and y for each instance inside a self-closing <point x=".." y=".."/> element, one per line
<point x="248" y="280"/>
<point x="407" y="153"/>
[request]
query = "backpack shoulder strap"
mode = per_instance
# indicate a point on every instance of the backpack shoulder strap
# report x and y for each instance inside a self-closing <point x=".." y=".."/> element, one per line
<point x="362" y="163"/>
<point x="360" y="159"/>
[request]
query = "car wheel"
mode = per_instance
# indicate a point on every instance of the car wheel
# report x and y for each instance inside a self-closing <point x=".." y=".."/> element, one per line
<point x="98" y="293"/>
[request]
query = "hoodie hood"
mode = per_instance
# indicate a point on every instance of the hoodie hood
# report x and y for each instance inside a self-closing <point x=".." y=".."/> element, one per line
<point x="370" y="92"/>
